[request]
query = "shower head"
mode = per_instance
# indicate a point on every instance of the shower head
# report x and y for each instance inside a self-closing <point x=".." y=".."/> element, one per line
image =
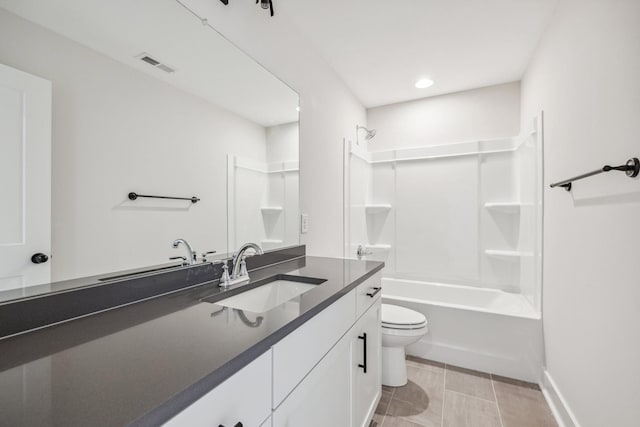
<point x="370" y="133"/>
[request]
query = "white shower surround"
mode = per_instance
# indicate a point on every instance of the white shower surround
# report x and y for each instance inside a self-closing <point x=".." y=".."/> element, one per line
<point x="263" y="202"/>
<point x="474" y="267"/>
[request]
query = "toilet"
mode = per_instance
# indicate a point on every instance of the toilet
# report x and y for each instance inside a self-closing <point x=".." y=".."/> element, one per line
<point x="400" y="327"/>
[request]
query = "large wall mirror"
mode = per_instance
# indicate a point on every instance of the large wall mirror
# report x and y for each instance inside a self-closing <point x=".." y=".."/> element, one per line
<point x="101" y="99"/>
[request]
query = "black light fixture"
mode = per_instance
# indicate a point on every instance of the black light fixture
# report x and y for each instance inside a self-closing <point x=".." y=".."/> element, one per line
<point x="265" y="4"/>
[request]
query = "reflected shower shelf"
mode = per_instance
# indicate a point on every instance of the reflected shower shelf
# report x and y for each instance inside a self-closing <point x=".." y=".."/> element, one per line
<point x="378" y="247"/>
<point x="375" y="209"/>
<point x="507" y="255"/>
<point x="271" y="209"/>
<point x="506" y="207"/>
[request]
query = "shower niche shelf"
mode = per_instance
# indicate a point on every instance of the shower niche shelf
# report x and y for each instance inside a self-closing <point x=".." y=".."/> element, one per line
<point x="378" y="247"/>
<point x="507" y="255"/>
<point x="505" y="207"/>
<point x="373" y="209"/>
<point x="271" y="210"/>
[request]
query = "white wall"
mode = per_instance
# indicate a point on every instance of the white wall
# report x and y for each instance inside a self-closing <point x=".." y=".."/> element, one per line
<point x="116" y="130"/>
<point x="485" y="113"/>
<point x="283" y="143"/>
<point x="585" y="78"/>
<point x="329" y="112"/>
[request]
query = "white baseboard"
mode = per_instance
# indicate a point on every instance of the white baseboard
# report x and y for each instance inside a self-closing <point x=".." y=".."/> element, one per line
<point x="557" y="403"/>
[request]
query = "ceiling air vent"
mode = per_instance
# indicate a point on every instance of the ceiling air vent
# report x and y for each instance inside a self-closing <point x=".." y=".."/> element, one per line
<point x="154" y="62"/>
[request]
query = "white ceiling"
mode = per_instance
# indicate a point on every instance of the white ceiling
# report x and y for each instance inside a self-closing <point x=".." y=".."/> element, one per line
<point x="207" y="65"/>
<point x="381" y="47"/>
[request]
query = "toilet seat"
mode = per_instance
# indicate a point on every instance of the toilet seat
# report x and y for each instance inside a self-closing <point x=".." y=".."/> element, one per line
<point x="401" y="318"/>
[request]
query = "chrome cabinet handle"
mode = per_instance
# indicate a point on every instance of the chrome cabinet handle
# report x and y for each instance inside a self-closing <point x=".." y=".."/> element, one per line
<point x="375" y="292"/>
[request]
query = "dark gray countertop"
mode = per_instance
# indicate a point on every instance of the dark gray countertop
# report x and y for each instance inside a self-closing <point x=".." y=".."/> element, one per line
<point x="143" y="363"/>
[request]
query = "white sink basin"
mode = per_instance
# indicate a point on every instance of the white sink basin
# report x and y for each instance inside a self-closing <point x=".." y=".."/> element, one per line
<point x="266" y="297"/>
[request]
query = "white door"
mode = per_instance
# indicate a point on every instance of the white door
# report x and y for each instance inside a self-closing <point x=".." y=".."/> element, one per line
<point x="25" y="179"/>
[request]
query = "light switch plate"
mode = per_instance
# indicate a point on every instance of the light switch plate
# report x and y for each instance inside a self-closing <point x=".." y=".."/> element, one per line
<point x="304" y="223"/>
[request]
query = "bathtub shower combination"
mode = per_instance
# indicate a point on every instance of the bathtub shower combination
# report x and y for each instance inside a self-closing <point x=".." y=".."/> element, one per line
<point x="459" y="228"/>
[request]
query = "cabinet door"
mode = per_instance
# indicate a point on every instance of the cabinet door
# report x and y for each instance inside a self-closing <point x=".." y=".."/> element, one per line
<point x="244" y="398"/>
<point x="367" y="378"/>
<point x="300" y="351"/>
<point x="323" y="398"/>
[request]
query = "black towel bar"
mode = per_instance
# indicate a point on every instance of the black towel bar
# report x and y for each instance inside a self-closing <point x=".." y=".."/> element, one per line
<point x="134" y="196"/>
<point x="631" y="169"/>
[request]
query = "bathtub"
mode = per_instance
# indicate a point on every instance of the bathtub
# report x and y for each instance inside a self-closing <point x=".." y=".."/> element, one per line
<point x="477" y="328"/>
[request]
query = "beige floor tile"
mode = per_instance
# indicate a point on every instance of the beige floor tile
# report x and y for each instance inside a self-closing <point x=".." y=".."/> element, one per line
<point x="426" y="416"/>
<point x="385" y="399"/>
<point x="398" y="422"/>
<point x="461" y="410"/>
<point x="425" y="387"/>
<point x="522" y="404"/>
<point x="377" y="420"/>
<point x="424" y="363"/>
<point x="420" y="401"/>
<point x="473" y="383"/>
<point x="515" y="382"/>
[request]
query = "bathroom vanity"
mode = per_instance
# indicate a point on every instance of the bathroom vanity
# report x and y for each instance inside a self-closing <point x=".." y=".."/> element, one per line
<point x="189" y="357"/>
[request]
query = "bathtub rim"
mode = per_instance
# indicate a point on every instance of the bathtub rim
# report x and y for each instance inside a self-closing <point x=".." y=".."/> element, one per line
<point x="534" y="314"/>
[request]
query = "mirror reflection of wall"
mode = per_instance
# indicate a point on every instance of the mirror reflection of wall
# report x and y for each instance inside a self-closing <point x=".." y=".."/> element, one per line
<point x="123" y="124"/>
<point x="263" y="195"/>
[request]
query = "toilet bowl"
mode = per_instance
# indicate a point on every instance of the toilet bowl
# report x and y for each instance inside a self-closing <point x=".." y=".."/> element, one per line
<point x="400" y="327"/>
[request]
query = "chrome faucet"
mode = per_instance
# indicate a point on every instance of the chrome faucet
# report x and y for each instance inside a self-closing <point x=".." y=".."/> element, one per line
<point x="239" y="263"/>
<point x="191" y="259"/>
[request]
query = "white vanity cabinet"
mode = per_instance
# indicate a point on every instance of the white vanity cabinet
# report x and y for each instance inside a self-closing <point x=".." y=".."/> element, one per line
<point x="344" y="387"/>
<point x="325" y="373"/>
<point x="244" y="398"/>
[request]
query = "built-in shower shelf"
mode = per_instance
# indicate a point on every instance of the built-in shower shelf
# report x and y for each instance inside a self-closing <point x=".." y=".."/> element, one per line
<point x="507" y="255"/>
<point x="505" y="207"/>
<point x="271" y="210"/>
<point x="378" y="247"/>
<point x="376" y="209"/>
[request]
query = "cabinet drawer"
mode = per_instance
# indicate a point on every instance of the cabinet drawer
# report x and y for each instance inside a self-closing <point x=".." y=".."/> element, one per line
<point x="367" y="293"/>
<point x="298" y="353"/>
<point x="245" y="398"/>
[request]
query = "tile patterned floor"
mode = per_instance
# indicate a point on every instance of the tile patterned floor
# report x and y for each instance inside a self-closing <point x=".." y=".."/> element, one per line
<point x="439" y="395"/>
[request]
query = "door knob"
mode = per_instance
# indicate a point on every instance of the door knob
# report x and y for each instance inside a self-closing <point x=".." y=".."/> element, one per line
<point x="39" y="258"/>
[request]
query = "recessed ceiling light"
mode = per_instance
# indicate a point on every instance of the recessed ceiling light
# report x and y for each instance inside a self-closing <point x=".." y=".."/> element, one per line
<point x="298" y="109"/>
<point x="424" y="83"/>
